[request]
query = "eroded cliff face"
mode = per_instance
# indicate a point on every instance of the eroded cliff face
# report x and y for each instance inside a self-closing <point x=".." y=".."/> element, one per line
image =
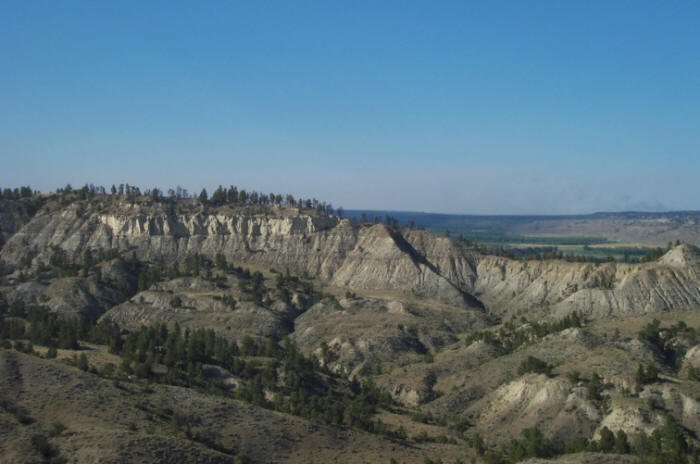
<point x="384" y="259"/>
<point x="302" y="243"/>
<point x="13" y="215"/>
<point x="376" y="258"/>
<point x="597" y="290"/>
<point x="328" y="248"/>
<point x="297" y="241"/>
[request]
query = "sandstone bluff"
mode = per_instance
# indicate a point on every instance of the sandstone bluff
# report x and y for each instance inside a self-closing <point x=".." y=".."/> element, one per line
<point x="366" y="257"/>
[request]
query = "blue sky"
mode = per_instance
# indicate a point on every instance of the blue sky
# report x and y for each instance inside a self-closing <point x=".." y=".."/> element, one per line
<point x="463" y="107"/>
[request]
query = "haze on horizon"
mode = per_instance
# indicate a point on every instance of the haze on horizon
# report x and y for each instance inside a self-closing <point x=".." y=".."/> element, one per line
<point x="499" y="108"/>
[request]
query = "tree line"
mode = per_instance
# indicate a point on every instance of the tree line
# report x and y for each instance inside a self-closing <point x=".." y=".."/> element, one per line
<point x="668" y="444"/>
<point x="17" y="193"/>
<point x="221" y="196"/>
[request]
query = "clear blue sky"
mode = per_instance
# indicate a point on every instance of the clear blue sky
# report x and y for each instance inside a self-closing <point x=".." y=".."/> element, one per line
<point x="465" y="107"/>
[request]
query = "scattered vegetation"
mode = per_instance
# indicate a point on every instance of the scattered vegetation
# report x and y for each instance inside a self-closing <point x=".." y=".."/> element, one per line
<point x="48" y="451"/>
<point x="664" y="340"/>
<point x="646" y="374"/>
<point x="534" y="365"/>
<point x="271" y="375"/>
<point x="17" y="411"/>
<point x="595" y="387"/>
<point x="274" y="376"/>
<point x="510" y="336"/>
<point x="667" y="445"/>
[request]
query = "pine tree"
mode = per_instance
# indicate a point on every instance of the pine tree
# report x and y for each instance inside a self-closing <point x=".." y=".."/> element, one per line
<point x="607" y="440"/>
<point x="622" y="445"/>
<point x="203" y="196"/>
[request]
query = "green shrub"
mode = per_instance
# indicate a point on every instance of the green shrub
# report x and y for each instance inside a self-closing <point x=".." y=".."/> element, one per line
<point x="536" y="365"/>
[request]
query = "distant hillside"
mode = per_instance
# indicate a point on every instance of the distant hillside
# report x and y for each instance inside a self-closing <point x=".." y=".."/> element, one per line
<point x="653" y="229"/>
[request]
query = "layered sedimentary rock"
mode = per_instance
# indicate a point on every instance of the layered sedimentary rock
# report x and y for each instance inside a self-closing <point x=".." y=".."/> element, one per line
<point x="377" y="257"/>
<point x="328" y="248"/>
<point x="594" y="289"/>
